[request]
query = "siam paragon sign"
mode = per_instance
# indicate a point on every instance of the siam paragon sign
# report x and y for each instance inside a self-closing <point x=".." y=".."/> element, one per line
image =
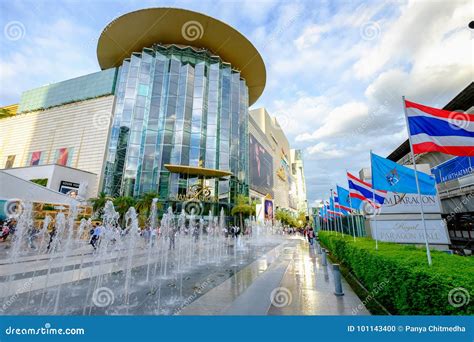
<point x="396" y="203"/>
<point x="196" y="192"/>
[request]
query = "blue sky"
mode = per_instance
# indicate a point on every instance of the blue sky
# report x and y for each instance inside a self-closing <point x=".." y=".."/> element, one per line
<point x="336" y="70"/>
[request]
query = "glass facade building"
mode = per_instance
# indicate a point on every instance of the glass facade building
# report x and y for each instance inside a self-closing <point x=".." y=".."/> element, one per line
<point x="178" y="105"/>
<point x="81" y="88"/>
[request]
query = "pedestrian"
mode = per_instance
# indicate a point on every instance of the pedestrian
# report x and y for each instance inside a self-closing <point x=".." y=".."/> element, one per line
<point x="32" y="233"/>
<point x="153" y="234"/>
<point x="95" y="236"/>
<point x="310" y="235"/>
<point x="172" y="237"/>
<point x="5" y="232"/>
<point x="52" y="234"/>
<point x="146" y="235"/>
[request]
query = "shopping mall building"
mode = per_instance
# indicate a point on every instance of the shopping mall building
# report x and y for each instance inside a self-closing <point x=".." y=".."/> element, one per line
<point x="168" y="113"/>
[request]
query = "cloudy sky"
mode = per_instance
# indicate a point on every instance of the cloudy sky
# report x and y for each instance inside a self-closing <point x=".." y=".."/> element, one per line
<point x="336" y="70"/>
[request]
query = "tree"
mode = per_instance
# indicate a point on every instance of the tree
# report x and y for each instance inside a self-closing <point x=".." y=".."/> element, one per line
<point x="242" y="207"/>
<point x="143" y="204"/>
<point x="301" y="219"/>
<point x="122" y="204"/>
<point x="98" y="203"/>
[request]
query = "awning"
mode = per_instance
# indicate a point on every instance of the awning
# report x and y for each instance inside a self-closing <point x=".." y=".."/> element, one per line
<point x="197" y="171"/>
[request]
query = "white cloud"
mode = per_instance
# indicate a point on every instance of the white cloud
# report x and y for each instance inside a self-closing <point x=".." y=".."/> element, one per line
<point x="323" y="150"/>
<point x="420" y="27"/>
<point x="341" y="120"/>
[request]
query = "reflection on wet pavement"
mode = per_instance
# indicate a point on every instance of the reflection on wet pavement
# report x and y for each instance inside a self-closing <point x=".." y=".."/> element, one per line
<point x="312" y="288"/>
<point x="288" y="280"/>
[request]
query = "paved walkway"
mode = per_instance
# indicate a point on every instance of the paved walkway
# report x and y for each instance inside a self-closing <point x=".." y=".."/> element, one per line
<point x="289" y="280"/>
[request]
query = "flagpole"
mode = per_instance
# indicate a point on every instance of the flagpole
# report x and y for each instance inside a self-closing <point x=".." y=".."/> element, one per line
<point x="351" y="213"/>
<point x="341" y="226"/>
<point x="373" y="203"/>
<point x="428" y="253"/>
<point x="338" y="217"/>
<point x="335" y="221"/>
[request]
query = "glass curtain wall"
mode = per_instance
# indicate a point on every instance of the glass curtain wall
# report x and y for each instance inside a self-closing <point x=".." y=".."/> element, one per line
<point x="182" y="106"/>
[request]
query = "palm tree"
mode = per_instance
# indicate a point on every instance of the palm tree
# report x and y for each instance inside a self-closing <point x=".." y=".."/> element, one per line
<point x="242" y="207"/>
<point x="98" y="203"/>
<point x="143" y="204"/>
<point x="122" y="204"/>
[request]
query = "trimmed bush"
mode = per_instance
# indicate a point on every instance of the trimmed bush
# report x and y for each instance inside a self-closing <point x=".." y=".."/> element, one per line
<point x="400" y="279"/>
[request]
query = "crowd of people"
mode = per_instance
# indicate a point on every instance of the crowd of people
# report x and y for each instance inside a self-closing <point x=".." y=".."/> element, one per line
<point x="150" y="235"/>
<point x="8" y="227"/>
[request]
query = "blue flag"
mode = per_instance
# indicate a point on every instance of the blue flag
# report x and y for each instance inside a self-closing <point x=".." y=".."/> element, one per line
<point x="390" y="176"/>
<point x="344" y="198"/>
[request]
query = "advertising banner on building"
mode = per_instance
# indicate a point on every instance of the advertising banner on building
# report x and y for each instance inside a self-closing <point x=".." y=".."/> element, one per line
<point x="453" y="169"/>
<point x="396" y="203"/>
<point x="261" y="168"/>
<point x="411" y="231"/>
<point x="268" y="209"/>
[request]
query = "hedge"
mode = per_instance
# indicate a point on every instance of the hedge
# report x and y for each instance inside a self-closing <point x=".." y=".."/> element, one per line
<point x="399" y="277"/>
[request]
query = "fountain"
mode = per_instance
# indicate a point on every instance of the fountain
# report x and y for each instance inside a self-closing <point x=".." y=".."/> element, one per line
<point x="131" y="270"/>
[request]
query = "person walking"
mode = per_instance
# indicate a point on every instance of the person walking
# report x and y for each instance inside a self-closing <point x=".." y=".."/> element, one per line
<point x="310" y="235"/>
<point x="153" y="234"/>
<point x="52" y="234"/>
<point x="5" y="232"/>
<point x="95" y="236"/>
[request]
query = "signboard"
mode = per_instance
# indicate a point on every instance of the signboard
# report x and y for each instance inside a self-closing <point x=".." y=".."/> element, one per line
<point x="396" y="203"/>
<point x="411" y="231"/>
<point x="66" y="187"/>
<point x="261" y="168"/>
<point x="454" y="168"/>
<point x="268" y="208"/>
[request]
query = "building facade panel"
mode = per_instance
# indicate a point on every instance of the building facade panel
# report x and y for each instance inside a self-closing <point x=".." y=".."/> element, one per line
<point x="73" y="135"/>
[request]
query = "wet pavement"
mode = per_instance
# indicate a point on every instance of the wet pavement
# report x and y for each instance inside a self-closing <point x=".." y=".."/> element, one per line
<point x="289" y="280"/>
<point x="281" y="277"/>
<point x="71" y="282"/>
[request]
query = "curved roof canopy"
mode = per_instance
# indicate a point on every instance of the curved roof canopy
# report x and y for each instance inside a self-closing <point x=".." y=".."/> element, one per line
<point x="197" y="171"/>
<point x="141" y="29"/>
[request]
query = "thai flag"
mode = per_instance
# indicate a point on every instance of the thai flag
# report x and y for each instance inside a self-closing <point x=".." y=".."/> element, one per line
<point x="329" y="212"/>
<point x="364" y="192"/>
<point x="433" y="129"/>
<point x="334" y="204"/>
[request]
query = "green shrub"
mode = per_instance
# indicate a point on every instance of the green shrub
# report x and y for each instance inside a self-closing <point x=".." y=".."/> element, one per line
<point x="410" y="286"/>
